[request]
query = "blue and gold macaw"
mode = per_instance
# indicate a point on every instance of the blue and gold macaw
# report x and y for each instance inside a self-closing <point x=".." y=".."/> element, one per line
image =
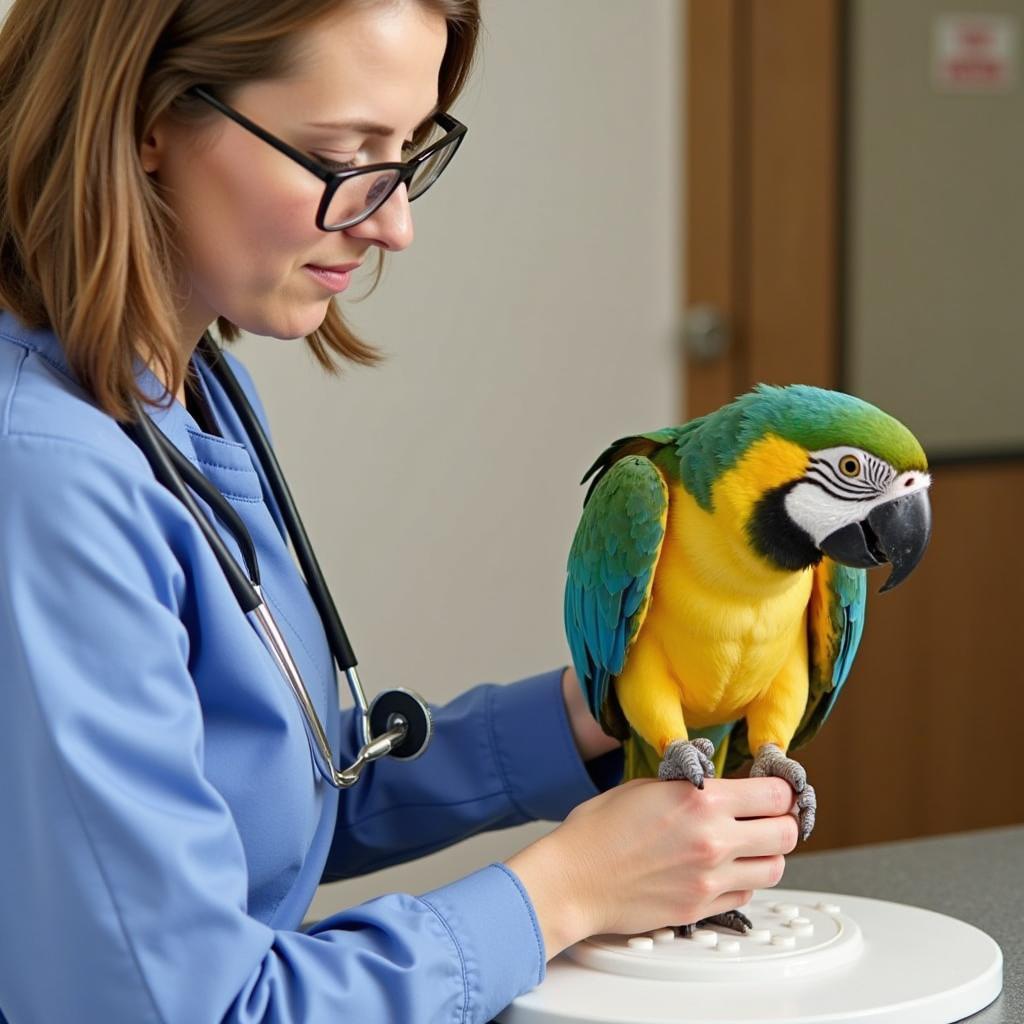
<point x="717" y="580"/>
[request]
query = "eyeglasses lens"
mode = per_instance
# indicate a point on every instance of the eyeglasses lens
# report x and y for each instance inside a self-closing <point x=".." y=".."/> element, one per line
<point x="359" y="195"/>
<point x="354" y="196"/>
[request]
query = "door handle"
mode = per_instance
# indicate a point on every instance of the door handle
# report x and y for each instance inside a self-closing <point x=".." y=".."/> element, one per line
<point x="705" y="333"/>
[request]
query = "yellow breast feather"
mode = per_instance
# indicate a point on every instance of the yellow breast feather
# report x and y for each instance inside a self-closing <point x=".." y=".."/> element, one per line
<point x="722" y="624"/>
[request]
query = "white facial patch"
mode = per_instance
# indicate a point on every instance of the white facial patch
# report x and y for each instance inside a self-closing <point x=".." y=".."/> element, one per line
<point x="842" y="486"/>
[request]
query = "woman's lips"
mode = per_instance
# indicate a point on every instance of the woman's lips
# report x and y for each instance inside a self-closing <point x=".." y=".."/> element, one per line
<point x="332" y="280"/>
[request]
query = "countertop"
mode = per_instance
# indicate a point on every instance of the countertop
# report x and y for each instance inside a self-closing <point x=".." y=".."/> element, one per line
<point x="977" y="877"/>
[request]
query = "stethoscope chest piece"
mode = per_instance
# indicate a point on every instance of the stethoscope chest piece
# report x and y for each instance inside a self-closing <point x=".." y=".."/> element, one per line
<point x="393" y="707"/>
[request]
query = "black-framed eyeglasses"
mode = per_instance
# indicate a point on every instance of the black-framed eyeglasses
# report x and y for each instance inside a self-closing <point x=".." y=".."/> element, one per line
<point x="353" y="194"/>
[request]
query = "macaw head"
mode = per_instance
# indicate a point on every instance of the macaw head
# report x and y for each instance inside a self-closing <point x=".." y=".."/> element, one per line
<point x="819" y="472"/>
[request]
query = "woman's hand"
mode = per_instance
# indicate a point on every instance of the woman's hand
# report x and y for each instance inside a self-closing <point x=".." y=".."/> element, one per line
<point x="591" y="739"/>
<point x="651" y="853"/>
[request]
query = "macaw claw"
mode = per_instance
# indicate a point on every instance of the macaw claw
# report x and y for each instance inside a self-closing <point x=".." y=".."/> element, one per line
<point x="731" y="919"/>
<point x="688" y="759"/>
<point x="771" y="761"/>
<point x="807" y="807"/>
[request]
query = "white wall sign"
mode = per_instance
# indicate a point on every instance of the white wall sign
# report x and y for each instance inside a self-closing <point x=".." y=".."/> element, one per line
<point x="974" y="53"/>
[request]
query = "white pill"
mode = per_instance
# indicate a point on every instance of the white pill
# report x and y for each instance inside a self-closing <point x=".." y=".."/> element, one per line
<point x="705" y="937"/>
<point x="641" y="942"/>
<point x="729" y="946"/>
<point x="663" y="935"/>
<point x="829" y="908"/>
<point x="801" y="926"/>
<point x="788" y="910"/>
<point x="760" y="935"/>
<point x="785" y="941"/>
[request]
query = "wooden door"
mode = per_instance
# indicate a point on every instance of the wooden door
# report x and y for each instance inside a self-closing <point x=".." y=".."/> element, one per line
<point x="925" y="738"/>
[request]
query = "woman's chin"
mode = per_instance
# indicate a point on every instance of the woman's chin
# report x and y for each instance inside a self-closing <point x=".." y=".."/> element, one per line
<point x="291" y="328"/>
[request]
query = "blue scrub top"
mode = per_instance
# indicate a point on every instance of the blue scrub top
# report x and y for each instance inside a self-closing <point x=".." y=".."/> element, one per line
<point x="163" y="827"/>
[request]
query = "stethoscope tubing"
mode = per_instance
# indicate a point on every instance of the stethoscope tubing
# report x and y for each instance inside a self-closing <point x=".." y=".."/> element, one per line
<point x="336" y="635"/>
<point x="175" y="472"/>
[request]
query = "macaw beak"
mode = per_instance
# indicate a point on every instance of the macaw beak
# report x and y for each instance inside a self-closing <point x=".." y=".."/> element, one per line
<point x="896" y="532"/>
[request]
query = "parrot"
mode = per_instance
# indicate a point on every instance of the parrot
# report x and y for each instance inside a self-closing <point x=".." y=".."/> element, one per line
<point x="717" y="580"/>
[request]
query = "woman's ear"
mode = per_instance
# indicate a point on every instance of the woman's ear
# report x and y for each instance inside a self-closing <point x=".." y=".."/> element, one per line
<point x="153" y="146"/>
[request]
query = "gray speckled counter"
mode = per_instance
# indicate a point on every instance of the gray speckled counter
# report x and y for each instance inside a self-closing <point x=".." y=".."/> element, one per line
<point x="977" y="877"/>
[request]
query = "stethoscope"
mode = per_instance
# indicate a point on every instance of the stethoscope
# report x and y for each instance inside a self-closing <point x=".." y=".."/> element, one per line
<point x="398" y="722"/>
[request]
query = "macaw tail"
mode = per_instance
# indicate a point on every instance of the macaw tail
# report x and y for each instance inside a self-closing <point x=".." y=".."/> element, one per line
<point x="642" y="760"/>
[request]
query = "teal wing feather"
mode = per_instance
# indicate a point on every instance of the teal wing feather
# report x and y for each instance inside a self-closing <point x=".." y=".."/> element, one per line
<point x="835" y="625"/>
<point x="611" y="568"/>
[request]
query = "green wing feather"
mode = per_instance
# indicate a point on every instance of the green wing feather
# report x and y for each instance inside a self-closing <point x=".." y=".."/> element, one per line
<point x="835" y="625"/>
<point x="611" y="571"/>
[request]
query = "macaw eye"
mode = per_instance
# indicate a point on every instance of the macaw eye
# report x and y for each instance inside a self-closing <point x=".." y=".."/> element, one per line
<point x="849" y="465"/>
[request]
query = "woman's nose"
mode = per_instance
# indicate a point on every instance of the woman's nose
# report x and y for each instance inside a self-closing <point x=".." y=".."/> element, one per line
<point x="390" y="226"/>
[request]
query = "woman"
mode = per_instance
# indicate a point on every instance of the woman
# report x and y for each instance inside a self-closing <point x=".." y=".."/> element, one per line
<point x="163" y="831"/>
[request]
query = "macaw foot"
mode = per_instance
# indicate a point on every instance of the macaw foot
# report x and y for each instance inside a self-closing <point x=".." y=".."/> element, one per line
<point x="688" y="759"/>
<point x="771" y="760"/>
<point x="731" y="919"/>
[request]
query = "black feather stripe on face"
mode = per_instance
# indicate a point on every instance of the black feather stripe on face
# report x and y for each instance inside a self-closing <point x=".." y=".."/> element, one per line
<point x="775" y="536"/>
<point x="862" y="485"/>
<point x="837" y="487"/>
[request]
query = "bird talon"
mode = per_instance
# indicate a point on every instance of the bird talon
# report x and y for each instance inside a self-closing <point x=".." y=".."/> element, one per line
<point x="771" y="761"/>
<point x="734" y="920"/>
<point x="807" y="804"/>
<point x="690" y="760"/>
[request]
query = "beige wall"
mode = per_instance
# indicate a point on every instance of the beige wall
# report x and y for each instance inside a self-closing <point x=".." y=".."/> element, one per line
<point x="531" y="322"/>
<point x="935" y="233"/>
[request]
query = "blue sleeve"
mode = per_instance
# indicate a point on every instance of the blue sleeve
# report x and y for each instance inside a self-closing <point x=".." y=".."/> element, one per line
<point x="123" y="881"/>
<point x="500" y="756"/>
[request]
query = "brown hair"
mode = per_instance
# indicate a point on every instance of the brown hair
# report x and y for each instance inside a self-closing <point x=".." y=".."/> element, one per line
<point x="87" y="246"/>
